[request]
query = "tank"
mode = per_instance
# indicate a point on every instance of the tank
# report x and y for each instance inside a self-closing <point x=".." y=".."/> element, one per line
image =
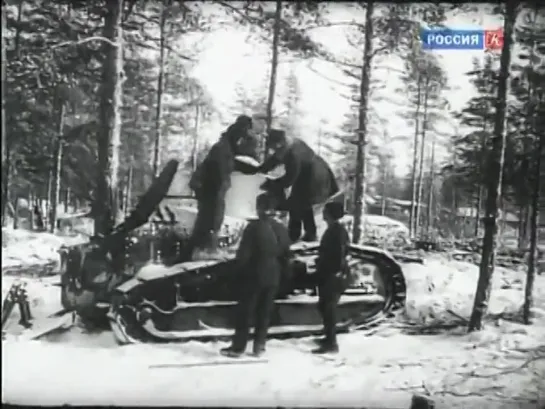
<point x="130" y="280"/>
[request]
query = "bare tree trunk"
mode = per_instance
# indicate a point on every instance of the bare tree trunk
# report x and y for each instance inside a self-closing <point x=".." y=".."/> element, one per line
<point x="6" y="165"/>
<point x="274" y="66"/>
<point x="109" y="136"/>
<point x="520" y="226"/>
<point x="31" y="208"/>
<point x="480" y="189"/>
<point x="194" y="154"/>
<point x="494" y="178"/>
<point x="55" y="197"/>
<point x="67" y="194"/>
<point x="430" y="224"/>
<point x="533" y="256"/>
<point x="383" y="201"/>
<point x="421" y="164"/>
<point x="16" y="213"/>
<point x="412" y="216"/>
<point x="49" y="192"/>
<point x="359" y="191"/>
<point x="128" y="192"/>
<point x="160" y="80"/>
<point x="5" y="172"/>
<point x="478" y="206"/>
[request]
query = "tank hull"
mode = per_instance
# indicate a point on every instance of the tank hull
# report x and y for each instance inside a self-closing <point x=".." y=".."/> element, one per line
<point x="204" y="306"/>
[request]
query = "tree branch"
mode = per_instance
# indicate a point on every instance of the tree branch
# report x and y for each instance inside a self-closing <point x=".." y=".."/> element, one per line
<point x="229" y="6"/>
<point x="314" y="70"/>
<point x="379" y="50"/>
<point x="86" y="40"/>
<point x="336" y="24"/>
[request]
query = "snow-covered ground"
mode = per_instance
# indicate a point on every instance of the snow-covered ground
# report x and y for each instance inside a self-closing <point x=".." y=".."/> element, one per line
<point x="502" y="366"/>
<point x="25" y="248"/>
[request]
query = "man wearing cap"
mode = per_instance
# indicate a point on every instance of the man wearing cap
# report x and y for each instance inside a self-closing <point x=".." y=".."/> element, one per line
<point x="331" y="274"/>
<point x="262" y="255"/>
<point x="309" y="176"/>
<point x="212" y="179"/>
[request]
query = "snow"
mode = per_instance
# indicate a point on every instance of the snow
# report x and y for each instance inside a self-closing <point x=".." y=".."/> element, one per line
<point x="25" y="248"/>
<point x="450" y="285"/>
<point x="459" y="370"/>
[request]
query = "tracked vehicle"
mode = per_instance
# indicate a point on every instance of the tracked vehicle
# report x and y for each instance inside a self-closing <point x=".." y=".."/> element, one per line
<point x="132" y="280"/>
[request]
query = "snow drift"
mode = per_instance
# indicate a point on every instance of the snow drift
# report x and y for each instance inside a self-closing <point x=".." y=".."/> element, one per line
<point x="25" y="248"/>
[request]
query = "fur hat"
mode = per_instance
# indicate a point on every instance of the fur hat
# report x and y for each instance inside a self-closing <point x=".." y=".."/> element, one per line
<point x="276" y="135"/>
<point x="335" y="210"/>
<point x="244" y="120"/>
<point x="265" y="202"/>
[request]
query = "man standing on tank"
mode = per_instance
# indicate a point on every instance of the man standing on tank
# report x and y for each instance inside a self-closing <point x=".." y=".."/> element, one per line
<point x="212" y="179"/>
<point x="331" y="274"/>
<point x="262" y="259"/>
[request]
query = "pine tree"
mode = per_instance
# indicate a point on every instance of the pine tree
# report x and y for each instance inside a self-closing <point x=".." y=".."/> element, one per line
<point x="494" y="177"/>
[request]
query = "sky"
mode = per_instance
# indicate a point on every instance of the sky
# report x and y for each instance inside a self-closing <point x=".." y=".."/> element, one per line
<point x="229" y="60"/>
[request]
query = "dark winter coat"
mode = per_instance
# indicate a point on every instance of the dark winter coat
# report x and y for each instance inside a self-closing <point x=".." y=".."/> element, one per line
<point x="263" y="252"/>
<point x="332" y="254"/>
<point x="309" y="176"/>
<point x="212" y="178"/>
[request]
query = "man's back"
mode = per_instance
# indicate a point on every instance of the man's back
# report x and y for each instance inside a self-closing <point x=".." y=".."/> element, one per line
<point x="333" y="250"/>
<point x="263" y="247"/>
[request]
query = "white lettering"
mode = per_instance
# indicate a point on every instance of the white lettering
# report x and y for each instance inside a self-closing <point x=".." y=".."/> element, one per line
<point x="474" y="39"/>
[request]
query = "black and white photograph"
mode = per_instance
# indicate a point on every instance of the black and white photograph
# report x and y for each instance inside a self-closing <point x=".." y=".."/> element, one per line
<point x="273" y="204"/>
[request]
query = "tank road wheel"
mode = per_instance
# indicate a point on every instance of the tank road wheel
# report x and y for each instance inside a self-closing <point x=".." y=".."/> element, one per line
<point x="73" y="296"/>
<point x="375" y="294"/>
<point x="373" y="270"/>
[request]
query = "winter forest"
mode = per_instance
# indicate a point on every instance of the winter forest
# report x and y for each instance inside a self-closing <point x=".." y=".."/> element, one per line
<point x="439" y="155"/>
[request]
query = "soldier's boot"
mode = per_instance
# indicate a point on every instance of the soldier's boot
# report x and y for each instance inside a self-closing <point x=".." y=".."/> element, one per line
<point x="319" y="341"/>
<point x="258" y="351"/>
<point x="231" y="352"/>
<point x="326" y="348"/>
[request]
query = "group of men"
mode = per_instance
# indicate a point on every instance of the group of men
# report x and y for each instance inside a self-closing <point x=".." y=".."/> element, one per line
<point x="263" y="255"/>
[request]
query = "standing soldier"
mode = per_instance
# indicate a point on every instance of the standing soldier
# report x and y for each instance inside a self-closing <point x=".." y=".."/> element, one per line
<point x="262" y="257"/>
<point x="331" y="274"/>
<point x="210" y="182"/>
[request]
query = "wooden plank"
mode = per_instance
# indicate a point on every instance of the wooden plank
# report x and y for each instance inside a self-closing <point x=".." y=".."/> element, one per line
<point x="49" y="325"/>
<point x="233" y="361"/>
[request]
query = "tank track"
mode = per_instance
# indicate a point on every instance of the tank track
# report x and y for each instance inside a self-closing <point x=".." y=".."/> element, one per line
<point x="130" y="326"/>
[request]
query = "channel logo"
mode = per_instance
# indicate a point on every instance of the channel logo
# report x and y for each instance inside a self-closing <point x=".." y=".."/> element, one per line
<point x="448" y="39"/>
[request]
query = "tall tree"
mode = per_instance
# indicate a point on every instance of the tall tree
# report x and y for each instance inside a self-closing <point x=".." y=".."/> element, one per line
<point x="274" y="63"/>
<point x="4" y="186"/>
<point x="529" y="35"/>
<point x="106" y="205"/>
<point x="160" y="86"/>
<point x="494" y="176"/>
<point x="359" y="192"/>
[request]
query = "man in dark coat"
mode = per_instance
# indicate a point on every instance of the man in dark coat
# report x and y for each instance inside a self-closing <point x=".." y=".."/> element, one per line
<point x="331" y="274"/>
<point x="212" y="179"/>
<point x="261" y="257"/>
<point x="309" y="176"/>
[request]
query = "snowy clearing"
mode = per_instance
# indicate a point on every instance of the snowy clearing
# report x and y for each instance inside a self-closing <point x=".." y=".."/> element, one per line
<point x="500" y="367"/>
<point x="22" y="248"/>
